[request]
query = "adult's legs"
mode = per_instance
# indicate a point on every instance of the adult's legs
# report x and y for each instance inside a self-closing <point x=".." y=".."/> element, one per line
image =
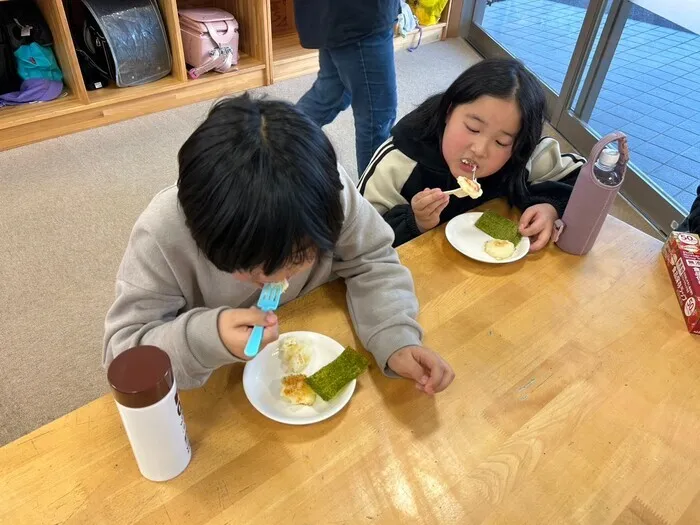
<point x="367" y="70"/>
<point x="328" y="95"/>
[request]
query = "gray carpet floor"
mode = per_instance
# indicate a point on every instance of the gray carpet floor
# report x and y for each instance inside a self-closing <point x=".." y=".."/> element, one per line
<point x="66" y="210"/>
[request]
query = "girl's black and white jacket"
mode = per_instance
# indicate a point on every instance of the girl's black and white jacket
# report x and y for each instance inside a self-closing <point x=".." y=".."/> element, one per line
<point x="404" y="166"/>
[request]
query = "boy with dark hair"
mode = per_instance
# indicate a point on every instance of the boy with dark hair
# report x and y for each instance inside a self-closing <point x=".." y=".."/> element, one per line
<point x="260" y="198"/>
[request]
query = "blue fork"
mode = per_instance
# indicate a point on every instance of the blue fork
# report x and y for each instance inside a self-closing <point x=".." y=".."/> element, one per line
<point x="268" y="302"/>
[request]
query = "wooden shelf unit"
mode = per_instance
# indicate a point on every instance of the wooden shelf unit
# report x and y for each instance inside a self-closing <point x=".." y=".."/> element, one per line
<point x="269" y="52"/>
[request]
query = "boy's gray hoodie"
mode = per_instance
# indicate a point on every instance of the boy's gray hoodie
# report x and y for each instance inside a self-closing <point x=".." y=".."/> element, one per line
<point x="169" y="295"/>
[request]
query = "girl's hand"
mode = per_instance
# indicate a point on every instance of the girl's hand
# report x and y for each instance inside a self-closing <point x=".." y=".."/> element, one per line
<point x="431" y="372"/>
<point x="427" y="206"/>
<point x="537" y="222"/>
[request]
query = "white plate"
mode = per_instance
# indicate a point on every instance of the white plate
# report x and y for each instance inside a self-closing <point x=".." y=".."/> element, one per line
<point x="468" y="239"/>
<point x="263" y="375"/>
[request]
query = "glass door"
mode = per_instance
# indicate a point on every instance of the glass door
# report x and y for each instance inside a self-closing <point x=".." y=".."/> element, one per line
<point x="641" y="79"/>
<point x="543" y="34"/>
<point x="611" y="65"/>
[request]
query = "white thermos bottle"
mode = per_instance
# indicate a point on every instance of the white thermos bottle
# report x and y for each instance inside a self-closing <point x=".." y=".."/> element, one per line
<point x="144" y="389"/>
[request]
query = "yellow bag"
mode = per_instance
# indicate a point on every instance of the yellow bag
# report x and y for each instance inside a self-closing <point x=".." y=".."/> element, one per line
<point x="428" y="11"/>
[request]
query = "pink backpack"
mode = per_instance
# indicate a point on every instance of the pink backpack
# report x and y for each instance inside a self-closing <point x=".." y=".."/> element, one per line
<point x="209" y="39"/>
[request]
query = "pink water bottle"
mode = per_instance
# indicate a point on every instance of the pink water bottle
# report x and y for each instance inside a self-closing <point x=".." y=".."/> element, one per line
<point x="595" y="190"/>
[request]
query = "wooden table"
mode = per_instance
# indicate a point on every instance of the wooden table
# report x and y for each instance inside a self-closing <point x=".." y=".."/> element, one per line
<point x="576" y="401"/>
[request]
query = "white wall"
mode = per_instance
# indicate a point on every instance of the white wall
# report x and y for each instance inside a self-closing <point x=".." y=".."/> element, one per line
<point x="685" y="13"/>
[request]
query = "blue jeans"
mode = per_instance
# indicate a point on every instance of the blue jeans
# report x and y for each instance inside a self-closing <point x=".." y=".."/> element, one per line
<point x="362" y="75"/>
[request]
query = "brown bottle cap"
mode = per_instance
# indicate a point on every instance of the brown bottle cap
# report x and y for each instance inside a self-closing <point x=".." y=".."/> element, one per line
<point x="140" y="377"/>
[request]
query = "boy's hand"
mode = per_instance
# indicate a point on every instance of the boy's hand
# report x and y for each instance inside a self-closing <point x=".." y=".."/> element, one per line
<point x="427" y="206"/>
<point x="431" y="372"/>
<point x="236" y="324"/>
<point x="537" y="222"/>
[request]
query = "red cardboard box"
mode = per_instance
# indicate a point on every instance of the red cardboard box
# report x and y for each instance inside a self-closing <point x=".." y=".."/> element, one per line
<point x="682" y="255"/>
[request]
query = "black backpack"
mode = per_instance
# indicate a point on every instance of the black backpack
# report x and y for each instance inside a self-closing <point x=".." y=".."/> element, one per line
<point x="24" y="24"/>
<point x="9" y="81"/>
<point x="21" y="23"/>
<point x="94" y="56"/>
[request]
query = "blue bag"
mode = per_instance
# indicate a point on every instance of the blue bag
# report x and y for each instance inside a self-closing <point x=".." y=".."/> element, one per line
<point x="36" y="61"/>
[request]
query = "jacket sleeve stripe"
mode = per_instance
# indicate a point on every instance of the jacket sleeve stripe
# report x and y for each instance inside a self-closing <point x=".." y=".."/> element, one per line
<point x="383" y="150"/>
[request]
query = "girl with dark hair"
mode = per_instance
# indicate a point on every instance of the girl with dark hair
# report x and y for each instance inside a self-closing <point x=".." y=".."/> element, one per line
<point x="486" y="125"/>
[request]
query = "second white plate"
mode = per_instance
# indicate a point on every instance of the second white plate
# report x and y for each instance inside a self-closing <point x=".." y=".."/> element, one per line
<point x="470" y="240"/>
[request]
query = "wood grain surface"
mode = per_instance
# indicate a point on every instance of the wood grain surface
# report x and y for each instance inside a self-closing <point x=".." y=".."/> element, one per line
<point x="576" y="401"/>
